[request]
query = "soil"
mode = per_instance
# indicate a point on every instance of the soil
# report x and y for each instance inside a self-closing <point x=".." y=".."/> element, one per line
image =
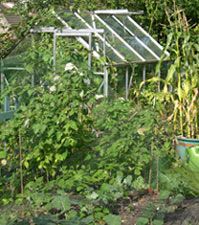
<point x="184" y="213"/>
<point x="134" y="206"/>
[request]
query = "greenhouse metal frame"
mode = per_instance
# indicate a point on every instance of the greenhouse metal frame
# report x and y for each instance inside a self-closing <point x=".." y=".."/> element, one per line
<point x="109" y="33"/>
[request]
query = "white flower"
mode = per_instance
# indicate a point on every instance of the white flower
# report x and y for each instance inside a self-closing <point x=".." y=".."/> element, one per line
<point x="98" y="96"/>
<point x="121" y="99"/>
<point x="3" y="162"/>
<point x="70" y="66"/>
<point x="87" y="81"/>
<point x="56" y="77"/>
<point x="81" y="94"/>
<point x="94" y="195"/>
<point x="81" y="74"/>
<point x="52" y="88"/>
<point x="27" y="122"/>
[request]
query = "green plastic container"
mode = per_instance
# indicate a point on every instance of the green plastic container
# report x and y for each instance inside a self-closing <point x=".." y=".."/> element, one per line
<point x="182" y="144"/>
<point x="192" y="158"/>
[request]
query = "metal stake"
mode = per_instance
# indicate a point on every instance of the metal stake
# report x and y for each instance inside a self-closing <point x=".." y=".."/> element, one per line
<point x="131" y="78"/>
<point x="105" y="82"/>
<point x="2" y="77"/>
<point x="6" y="104"/>
<point x="33" y="75"/>
<point x="54" y="52"/>
<point x="104" y="44"/>
<point x="159" y="75"/>
<point x="89" y="54"/>
<point x="126" y="83"/>
<point x="144" y="75"/>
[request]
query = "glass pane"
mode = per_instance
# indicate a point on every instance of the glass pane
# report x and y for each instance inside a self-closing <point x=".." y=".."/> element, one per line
<point x="22" y="46"/>
<point x="140" y="34"/>
<point x="72" y="20"/>
<point x="13" y="61"/>
<point x="75" y="23"/>
<point x="50" y="20"/>
<point x="12" y="74"/>
<point x="109" y="52"/>
<point x="117" y="44"/>
<point x="87" y="17"/>
<point x="131" y="40"/>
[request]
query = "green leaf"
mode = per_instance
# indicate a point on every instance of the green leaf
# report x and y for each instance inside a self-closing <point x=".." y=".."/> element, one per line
<point x="71" y="124"/>
<point x="158" y="222"/>
<point x="196" y="47"/>
<point x="30" y="92"/>
<point x="187" y="86"/>
<point x="164" y="194"/>
<point x="2" y="154"/>
<point x="88" y="219"/>
<point x="94" y="195"/>
<point x="44" y="220"/>
<point x="105" y="187"/>
<point x="142" y="221"/>
<point x="170" y="74"/>
<point x="112" y="219"/>
<point x="177" y="199"/>
<point x="169" y="38"/>
<point x="128" y="180"/>
<point x="38" y="128"/>
<point x="26" y="164"/>
<point x="46" y="57"/>
<point x="180" y="93"/>
<point x="59" y="202"/>
<point x="29" y="68"/>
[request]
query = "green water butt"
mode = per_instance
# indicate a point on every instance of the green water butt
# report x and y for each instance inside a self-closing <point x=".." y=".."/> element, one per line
<point x="182" y="144"/>
<point x="192" y="158"/>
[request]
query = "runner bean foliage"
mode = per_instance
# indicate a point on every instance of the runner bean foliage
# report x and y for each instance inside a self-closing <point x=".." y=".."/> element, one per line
<point x="53" y="120"/>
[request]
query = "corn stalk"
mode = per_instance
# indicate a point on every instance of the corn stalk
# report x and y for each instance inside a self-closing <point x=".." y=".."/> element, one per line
<point x="183" y="76"/>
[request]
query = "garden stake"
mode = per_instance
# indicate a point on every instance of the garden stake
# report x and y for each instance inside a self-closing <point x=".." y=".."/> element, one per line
<point x="21" y="167"/>
<point x="150" y="171"/>
<point x="157" y="174"/>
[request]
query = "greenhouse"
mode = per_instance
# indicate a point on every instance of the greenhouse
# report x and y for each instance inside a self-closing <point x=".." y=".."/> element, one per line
<point x="110" y="36"/>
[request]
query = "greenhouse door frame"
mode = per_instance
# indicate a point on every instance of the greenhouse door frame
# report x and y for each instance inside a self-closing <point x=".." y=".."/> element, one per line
<point x="78" y="34"/>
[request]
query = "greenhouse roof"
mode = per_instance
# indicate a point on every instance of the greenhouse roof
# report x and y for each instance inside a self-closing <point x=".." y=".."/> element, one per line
<point x="114" y="35"/>
<point x="125" y="41"/>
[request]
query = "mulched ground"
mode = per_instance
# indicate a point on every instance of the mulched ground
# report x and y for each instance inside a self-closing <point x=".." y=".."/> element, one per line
<point x="187" y="213"/>
<point x="132" y="208"/>
<point x="184" y="213"/>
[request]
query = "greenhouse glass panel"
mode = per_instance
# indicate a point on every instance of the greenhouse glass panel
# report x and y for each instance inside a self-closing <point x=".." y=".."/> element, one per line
<point x="130" y="39"/>
<point x="22" y="46"/>
<point x="111" y="52"/>
<point x="140" y="34"/>
<point x="126" y="41"/>
<point x="72" y="20"/>
<point x="13" y="61"/>
<point x="117" y="44"/>
<point x="88" y="18"/>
